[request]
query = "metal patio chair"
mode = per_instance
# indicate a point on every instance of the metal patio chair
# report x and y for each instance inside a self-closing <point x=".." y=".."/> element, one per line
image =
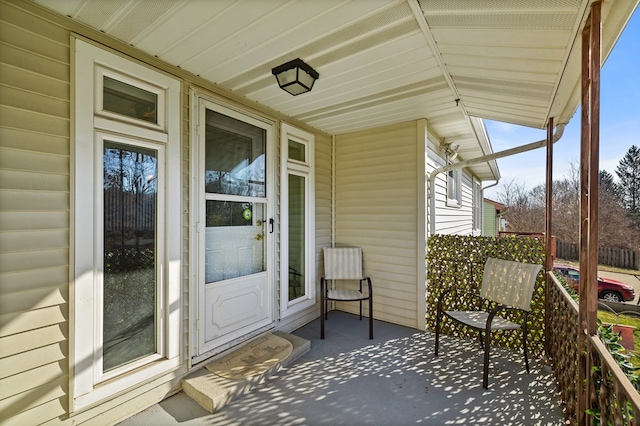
<point x="506" y="285"/>
<point x="344" y="263"/>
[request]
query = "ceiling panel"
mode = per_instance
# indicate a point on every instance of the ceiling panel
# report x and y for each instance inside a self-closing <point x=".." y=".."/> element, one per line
<point x="380" y="61"/>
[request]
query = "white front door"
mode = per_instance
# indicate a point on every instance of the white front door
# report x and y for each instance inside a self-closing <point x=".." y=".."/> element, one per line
<point x="235" y="293"/>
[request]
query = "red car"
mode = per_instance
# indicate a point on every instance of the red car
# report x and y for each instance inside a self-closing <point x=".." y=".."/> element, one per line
<point x="608" y="289"/>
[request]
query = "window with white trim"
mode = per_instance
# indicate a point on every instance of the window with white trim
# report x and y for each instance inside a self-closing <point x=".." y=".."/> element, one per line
<point x="297" y="219"/>
<point x="477" y="207"/>
<point x="126" y="225"/>
<point x="454" y="192"/>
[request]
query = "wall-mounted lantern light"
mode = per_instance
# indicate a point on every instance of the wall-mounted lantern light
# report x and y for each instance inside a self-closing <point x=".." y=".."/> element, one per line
<point x="296" y="77"/>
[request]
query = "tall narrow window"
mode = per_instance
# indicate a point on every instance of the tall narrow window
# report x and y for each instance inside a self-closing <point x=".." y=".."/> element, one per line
<point x="125" y="298"/>
<point x="129" y="254"/>
<point x="454" y="195"/>
<point x="477" y="207"/>
<point x="297" y="232"/>
<point x="298" y="227"/>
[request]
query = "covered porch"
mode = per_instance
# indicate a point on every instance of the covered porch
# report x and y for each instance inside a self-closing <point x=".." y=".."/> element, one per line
<point x="347" y="379"/>
<point x="400" y="83"/>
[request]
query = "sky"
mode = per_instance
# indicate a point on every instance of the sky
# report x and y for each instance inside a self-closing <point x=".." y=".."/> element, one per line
<point x="619" y="123"/>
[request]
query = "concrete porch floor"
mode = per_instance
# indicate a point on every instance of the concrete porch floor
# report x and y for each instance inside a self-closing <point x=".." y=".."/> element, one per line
<point x="394" y="379"/>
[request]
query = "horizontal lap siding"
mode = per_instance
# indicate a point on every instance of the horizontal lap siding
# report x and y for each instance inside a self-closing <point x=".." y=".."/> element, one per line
<point x="489" y="220"/>
<point x="186" y="217"/>
<point x="35" y="225"/>
<point x="449" y="219"/>
<point x="376" y="208"/>
<point x="34" y="218"/>
<point x="323" y="165"/>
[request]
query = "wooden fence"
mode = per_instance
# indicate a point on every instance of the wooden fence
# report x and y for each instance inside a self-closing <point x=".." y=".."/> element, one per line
<point x="620" y="258"/>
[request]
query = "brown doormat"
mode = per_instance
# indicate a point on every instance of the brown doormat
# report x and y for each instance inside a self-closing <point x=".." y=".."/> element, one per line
<point x="254" y="358"/>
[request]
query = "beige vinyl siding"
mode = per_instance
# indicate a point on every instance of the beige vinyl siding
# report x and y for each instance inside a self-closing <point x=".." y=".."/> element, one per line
<point x="34" y="218"/>
<point x="376" y="208"/>
<point x="186" y="216"/>
<point x="35" y="230"/>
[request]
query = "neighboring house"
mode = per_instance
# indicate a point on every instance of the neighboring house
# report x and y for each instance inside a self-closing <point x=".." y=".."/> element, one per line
<point x="493" y="221"/>
<point x="162" y="200"/>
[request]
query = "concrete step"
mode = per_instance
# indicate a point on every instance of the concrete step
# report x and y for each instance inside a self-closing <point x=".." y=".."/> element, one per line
<point x="213" y="392"/>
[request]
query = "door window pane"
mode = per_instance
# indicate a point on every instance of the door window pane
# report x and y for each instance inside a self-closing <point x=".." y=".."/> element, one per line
<point x="234" y="240"/>
<point x="296" y="236"/>
<point x="234" y="157"/>
<point x="132" y="101"/>
<point x="129" y="281"/>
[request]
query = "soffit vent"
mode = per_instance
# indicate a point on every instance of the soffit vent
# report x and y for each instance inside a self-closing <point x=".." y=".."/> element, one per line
<point x="500" y="14"/>
<point x="381" y="98"/>
<point x="98" y="14"/>
<point x="344" y="50"/>
<point x="496" y="5"/>
<point x="140" y="17"/>
<point x="507" y="21"/>
<point x="505" y="87"/>
<point x="389" y="24"/>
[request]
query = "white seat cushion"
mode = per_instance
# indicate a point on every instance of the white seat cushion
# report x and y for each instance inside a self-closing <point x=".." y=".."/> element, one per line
<point x="478" y="319"/>
<point x="346" y="295"/>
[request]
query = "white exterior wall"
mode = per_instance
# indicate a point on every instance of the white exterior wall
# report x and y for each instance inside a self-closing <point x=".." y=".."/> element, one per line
<point x="449" y="219"/>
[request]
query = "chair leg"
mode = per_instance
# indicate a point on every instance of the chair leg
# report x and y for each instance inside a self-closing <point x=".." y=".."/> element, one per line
<point x="326" y="301"/>
<point x="485" y="373"/>
<point x="322" y="307"/>
<point x="524" y="345"/>
<point x="360" y="310"/>
<point x="370" y="317"/>
<point x="438" y="319"/>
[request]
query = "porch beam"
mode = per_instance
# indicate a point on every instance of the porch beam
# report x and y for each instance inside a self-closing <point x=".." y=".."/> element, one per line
<point x="589" y="180"/>
<point x="549" y="226"/>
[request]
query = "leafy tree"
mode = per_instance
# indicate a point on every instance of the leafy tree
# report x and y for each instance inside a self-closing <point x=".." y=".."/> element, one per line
<point x="628" y="172"/>
<point x="526" y="210"/>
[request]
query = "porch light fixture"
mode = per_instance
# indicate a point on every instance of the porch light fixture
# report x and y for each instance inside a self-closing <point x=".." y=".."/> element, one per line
<point x="451" y="149"/>
<point x="295" y="77"/>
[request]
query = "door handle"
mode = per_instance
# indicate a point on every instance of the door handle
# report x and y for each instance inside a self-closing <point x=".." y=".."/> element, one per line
<point x="271" y="225"/>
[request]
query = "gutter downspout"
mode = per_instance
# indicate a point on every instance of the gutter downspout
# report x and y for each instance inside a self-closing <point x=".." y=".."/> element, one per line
<point x="333" y="190"/>
<point x="483" y="159"/>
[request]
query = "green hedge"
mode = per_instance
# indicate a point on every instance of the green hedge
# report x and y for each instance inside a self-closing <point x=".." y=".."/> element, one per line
<point x="458" y="261"/>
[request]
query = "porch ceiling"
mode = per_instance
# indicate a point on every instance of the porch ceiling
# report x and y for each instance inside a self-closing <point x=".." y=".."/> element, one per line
<point x="380" y="62"/>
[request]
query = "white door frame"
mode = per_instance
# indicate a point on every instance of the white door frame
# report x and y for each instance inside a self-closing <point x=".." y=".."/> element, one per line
<point x="195" y="204"/>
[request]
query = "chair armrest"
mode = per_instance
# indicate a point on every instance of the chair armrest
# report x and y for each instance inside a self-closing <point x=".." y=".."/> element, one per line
<point x="368" y="284"/>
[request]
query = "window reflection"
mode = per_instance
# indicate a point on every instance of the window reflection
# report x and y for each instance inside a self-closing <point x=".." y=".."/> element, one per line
<point x="296" y="151"/>
<point x="234" y="157"/>
<point x="297" y="232"/>
<point x="129" y="281"/>
<point x="125" y="99"/>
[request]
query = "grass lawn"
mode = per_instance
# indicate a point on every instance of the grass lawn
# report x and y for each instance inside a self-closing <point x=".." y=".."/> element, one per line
<point x="601" y="267"/>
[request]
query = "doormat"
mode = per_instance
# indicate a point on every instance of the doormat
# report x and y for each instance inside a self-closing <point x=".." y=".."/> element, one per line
<point x="254" y="358"/>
